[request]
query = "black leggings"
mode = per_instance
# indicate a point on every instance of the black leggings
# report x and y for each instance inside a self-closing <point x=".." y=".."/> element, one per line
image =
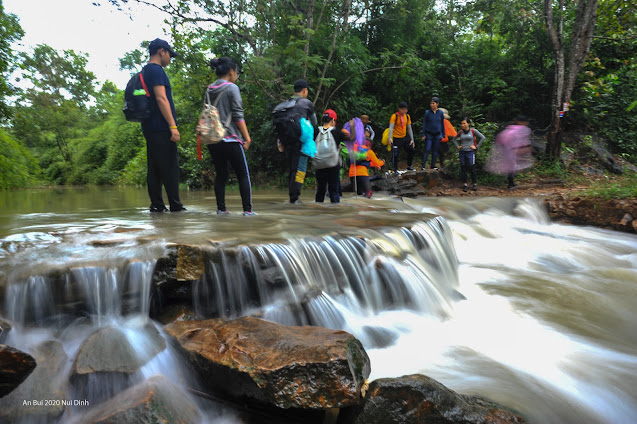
<point x="231" y="153"/>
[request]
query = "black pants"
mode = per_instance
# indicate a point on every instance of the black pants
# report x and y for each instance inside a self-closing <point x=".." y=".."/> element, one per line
<point x="404" y="143"/>
<point x="328" y="178"/>
<point x="162" y="163"/>
<point x="297" y="165"/>
<point x="231" y="153"/>
<point x="363" y="185"/>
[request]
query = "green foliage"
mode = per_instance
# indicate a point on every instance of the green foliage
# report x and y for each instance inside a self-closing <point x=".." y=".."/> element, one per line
<point x="10" y="31"/>
<point x="18" y="168"/>
<point x="485" y="60"/>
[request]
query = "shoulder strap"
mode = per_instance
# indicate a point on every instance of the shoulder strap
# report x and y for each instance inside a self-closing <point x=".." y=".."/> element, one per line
<point x="141" y="78"/>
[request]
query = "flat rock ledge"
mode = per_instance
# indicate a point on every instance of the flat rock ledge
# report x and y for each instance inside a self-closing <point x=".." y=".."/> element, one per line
<point x="284" y="366"/>
<point x="418" y="399"/>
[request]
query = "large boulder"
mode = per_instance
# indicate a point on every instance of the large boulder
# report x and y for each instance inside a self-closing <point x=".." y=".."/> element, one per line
<point x="111" y="349"/>
<point x="156" y="400"/>
<point x="418" y="399"/>
<point x="46" y="383"/>
<point x="110" y="359"/>
<point x="286" y="366"/>
<point x="15" y="367"/>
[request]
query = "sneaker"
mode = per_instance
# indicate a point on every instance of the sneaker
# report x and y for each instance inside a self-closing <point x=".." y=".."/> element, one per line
<point x="475" y="187"/>
<point x="220" y="212"/>
<point x="410" y="168"/>
<point x="465" y="188"/>
<point x="369" y="194"/>
<point x="296" y="202"/>
<point x="422" y="168"/>
<point x="249" y="213"/>
<point x="155" y="209"/>
<point x="179" y="210"/>
<point x="512" y="186"/>
<point x="435" y="168"/>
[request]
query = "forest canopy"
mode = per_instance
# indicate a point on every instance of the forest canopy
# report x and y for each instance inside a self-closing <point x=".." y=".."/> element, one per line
<point x="484" y="59"/>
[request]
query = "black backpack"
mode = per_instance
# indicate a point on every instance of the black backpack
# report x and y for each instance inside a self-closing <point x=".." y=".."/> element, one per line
<point x="136" y="99"/>
<point x="287" y="122"/>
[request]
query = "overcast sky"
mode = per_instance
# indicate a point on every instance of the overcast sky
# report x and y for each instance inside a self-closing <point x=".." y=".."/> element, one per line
<point x="103" y="32"/>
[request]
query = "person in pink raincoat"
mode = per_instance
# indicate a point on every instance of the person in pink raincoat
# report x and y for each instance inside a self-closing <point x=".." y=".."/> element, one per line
<point x="512" y="150"/>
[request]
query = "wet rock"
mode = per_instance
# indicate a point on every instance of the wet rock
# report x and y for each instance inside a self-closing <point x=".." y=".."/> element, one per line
<point x="5" y="327"/>
<point x="627" y="219"/>
<point x="109" y="360"/>
<point x="15" y="367"/>
<point x="156" y="400"/>
<point x="289" y="367"/>
<point x="111" y="350"/>
<point x="46" y="382"/>
<point x="419" y="399"/>
<point x="177" y="312"/>
<point x="606" y="159"/>
<point x="190" y="263"/>
<point x="603" y="213"/>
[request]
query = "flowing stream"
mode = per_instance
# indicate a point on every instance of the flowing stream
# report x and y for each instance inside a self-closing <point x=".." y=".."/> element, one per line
<point x="485" y="294"/>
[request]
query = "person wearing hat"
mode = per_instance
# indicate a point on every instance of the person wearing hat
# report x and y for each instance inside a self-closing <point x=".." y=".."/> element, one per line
<point x="367" y="123"/>
<point x="160" y="131"/>
<point x="297" y="162"/>
<point x="401" y="135"/>
<point x="450" y="131"/>
<point x="433" y="130"/>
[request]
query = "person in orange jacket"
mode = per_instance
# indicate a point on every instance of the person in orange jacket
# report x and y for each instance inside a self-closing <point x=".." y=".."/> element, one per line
<point x="450" y="132"/>
<point x="359" y="168"/>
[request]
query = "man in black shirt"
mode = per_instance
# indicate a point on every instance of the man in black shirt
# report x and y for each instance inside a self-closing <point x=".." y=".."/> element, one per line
<point x="160" y="131"/>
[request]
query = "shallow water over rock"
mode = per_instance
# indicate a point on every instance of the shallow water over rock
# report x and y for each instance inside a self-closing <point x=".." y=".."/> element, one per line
<point x="484" y="295"/>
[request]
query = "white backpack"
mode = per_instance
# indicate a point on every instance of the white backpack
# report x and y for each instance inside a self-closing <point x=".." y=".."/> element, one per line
<point x="326" y="150"/>
<point x="210" y="130"/>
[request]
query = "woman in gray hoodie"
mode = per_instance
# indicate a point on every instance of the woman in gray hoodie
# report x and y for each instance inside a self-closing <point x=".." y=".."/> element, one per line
<point x="230" y="151"/>
<point x="470" y="141"/>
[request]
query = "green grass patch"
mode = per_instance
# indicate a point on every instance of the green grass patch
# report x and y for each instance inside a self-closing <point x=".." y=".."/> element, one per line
<point x="620" y="187"/>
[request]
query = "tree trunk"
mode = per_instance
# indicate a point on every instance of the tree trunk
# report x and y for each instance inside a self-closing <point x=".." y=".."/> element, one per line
<point x="580" y="43"/>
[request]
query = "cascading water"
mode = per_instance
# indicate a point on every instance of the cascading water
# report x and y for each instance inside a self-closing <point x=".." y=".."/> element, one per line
<point x="486" y="296"/>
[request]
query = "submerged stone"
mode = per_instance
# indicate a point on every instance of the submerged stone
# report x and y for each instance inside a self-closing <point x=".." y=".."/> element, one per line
<point x="286" y="366"/>
<point x="112" y="350"/>
<point x="15" y="367"/>
<point x="156" y="400"/>
<point x="418" y="399"/>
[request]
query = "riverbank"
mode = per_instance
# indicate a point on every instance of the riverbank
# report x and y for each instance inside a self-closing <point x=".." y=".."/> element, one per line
<point x="575" y="201"/>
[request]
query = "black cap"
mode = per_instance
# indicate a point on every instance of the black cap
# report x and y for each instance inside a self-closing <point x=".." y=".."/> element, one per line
<point x="299" y="85"/>
<point x="435" y="99"/>
<point x="157" y="44"/>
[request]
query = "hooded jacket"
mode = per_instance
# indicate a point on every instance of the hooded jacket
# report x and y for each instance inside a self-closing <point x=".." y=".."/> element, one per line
<point x="229" y="103"/>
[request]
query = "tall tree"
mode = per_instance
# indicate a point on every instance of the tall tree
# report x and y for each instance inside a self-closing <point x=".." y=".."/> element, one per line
<point x="53" y="108"/>
<point x="582" y="27"/>
<point x="10" y="31"/>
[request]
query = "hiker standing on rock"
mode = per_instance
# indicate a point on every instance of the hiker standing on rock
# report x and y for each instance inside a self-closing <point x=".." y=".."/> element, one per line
<point x="433" y="130"/>
<point x="450" y="132"/>
<point x="470" y="141"/>
<point x="401" y="136"/>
